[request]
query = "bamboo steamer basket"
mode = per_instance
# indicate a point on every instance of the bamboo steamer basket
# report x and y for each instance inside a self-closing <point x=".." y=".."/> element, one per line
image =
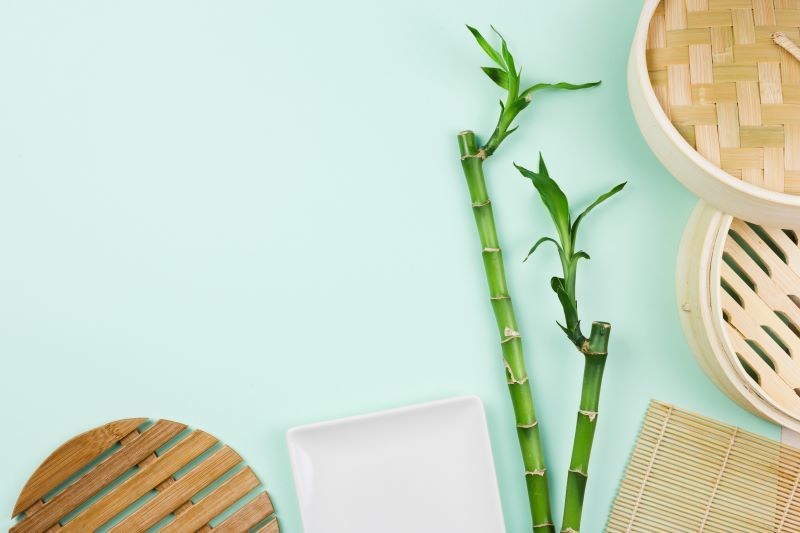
<point x="738" y="289"/>
<point x="719" y="102"/>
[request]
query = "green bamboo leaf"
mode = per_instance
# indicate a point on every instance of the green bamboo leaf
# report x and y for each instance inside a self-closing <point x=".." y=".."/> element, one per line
<point x="540" y="241"/>
<point x="578" y="256"/>
<point x="491" y="52"/>
<point x="498" y="76"/>
<point x="570" y="308"/>
<point x="575" y="336"/>
<point x="561" y="85"/>
<point x="507" y="57"/>
<point x="513" y="77"/>
<point x="602" y="198"/>
<point x="509" y="132"/>
<point x="518" y="105"/>
<point x="553" y="198"/>
<point x="567" y="332"/>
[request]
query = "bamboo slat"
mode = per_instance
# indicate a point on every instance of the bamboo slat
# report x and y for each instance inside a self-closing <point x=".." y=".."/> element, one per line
<point x="691" y="473"/>
<point x="758" y="288"/>
<point x="122" y="478"/>
<point x="72" y="456"/>
<point x="248" y="516"/>
<point x="212" y="505"/>
<point x="724" y="83"/>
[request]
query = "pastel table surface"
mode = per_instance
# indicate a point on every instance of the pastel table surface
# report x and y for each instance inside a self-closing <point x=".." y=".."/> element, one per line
<point x="250" y="215"/>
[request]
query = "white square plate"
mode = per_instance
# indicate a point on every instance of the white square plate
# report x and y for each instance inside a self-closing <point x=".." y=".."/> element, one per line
<point x="426" y="468"/>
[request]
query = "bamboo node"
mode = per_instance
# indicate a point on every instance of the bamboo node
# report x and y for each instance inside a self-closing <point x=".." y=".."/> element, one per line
<point x="537" y="472"/>
<point x="528" y="426"/>
<point x="509" y="335"/>
<point x="586" y="351"/>
<point x="578" y="471"/>
<point x="512" y="379"/>
<point x="481" y="154"/>
<point x="481" y="204"/>
<point x="591" y="415"/>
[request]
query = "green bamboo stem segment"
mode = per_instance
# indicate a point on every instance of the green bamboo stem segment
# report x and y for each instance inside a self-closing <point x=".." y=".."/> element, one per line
<point x="595" y="351"/>
<point x="472" y="159"/>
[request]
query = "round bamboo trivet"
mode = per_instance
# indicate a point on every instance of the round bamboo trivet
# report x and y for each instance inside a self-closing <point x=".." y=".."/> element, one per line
<point x="739" y="292"/>
<point x="133" y="475"/>
<point x="730" y="91"/>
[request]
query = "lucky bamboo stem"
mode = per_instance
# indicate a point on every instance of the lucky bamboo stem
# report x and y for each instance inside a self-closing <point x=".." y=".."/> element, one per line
<point x="472" y="159"/>
<point x="595" y="352"/>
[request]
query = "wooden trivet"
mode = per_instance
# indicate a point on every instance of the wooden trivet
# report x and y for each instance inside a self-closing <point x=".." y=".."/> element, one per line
<point x="691" y="473"/>
<point x="132" y="475"/>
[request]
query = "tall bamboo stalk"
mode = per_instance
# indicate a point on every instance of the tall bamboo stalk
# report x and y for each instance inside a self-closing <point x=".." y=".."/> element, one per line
<point x="507" y="76"/>
<point x="595" y="352"/>
<point x="472" y="159"/>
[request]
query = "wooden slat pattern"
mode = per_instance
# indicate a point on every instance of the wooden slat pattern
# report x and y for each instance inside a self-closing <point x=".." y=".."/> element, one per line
<point x="761" y="271"/>
<point x="724" y="83"/>
<point x="250" y="515"/>
<point x="71" y="457"/>
<point x="690" y="473"/>
<point x="136" y="469"/>
<point x="270" y="527"/>
<point x="100" y="477"/>
<point x="210" y="506"/>
<point x="145" y="480"/>
<point x="178" y="493"/>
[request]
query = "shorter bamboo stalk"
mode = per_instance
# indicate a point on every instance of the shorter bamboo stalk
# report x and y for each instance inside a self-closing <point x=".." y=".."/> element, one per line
<point x="595" y="352"/>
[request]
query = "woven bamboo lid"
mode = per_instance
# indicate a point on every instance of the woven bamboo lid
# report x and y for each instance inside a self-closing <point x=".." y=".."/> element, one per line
<point x="730" y="91"/>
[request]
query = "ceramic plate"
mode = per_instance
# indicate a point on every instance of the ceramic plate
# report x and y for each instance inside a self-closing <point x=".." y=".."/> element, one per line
<point x="426" y="468"/>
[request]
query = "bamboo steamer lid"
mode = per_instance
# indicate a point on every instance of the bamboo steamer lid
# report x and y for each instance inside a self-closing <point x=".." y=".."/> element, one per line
<point x="138" y="475"/>
<point x="738" y="288"/>
<point x="719" y="101"/>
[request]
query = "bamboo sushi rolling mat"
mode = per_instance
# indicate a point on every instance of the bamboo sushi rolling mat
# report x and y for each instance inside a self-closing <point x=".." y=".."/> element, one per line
<point x="691" y="473"/>
<point x="731" y="92"/>
<point x="130" y="476"/>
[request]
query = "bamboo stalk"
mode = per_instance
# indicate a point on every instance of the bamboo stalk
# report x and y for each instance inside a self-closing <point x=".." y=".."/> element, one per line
<point x="594" y="348"/>
<point x="595" y="356"/>
<point x="527" y="425"/>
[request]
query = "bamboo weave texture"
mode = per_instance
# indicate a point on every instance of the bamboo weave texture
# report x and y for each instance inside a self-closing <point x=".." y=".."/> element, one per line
<point x="730" y="91"/>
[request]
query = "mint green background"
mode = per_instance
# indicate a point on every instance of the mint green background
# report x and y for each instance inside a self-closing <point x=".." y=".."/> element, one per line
<point x="250" y="215"/>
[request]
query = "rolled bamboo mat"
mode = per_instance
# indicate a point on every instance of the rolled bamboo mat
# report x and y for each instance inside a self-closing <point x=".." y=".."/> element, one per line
<point x="691" y="473"/>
